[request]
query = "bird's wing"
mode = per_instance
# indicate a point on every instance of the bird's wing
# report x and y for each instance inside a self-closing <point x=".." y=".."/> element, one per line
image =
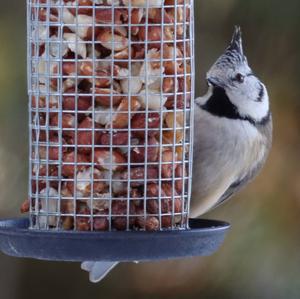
<point x="233" y="189"/>
<point x="239" y="184"/>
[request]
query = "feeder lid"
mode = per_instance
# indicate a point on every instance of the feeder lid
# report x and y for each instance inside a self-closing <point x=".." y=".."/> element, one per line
<point x="203" y="239"/>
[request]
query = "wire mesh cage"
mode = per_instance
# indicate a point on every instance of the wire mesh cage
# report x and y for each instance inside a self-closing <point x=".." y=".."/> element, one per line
<point x="110" y="113"/>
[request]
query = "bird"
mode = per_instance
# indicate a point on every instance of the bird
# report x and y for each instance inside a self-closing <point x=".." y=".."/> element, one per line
<point x="232" y="137"/>
<point x="234" y="130"/>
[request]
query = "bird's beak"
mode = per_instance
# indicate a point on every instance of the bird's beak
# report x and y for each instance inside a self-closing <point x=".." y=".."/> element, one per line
<point x="213" y="82"/>
<point x="236" y="42"/>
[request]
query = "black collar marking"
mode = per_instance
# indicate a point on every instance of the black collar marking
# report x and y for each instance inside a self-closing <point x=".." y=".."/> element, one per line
<point x="220" y="105"/>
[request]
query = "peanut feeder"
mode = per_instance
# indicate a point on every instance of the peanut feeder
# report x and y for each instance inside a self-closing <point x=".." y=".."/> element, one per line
<point x="110" y="87"/>
<point x="111" y="90"/>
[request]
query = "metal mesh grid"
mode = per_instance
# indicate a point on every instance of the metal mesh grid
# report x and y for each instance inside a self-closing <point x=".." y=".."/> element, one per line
<point x="111" y="99"/>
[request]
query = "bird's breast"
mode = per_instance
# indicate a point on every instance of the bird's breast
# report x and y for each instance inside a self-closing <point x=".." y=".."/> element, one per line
<point x="224" y="151"/>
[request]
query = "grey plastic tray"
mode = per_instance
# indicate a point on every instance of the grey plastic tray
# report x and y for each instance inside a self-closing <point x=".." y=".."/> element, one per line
<point x="203" y="239"/>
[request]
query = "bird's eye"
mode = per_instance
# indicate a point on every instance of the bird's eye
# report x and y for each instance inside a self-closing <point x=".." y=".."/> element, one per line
<point x="240" y="78"/>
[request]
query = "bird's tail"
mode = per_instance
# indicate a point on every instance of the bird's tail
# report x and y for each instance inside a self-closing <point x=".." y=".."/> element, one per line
<point x="98" y="270"/>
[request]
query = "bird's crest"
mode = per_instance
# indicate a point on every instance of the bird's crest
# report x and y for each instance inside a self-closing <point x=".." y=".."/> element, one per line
<point x="234" y="53"/>
<point x="236" y="42"/>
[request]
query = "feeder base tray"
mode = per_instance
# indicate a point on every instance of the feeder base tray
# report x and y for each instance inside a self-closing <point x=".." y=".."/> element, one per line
<point x="203" y="239"/>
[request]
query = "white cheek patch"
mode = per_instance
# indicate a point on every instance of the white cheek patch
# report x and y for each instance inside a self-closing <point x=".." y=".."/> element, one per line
<point x="245" y="99"/>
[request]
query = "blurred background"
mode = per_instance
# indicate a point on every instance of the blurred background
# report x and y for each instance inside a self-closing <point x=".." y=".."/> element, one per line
<point x="261" y="256"/>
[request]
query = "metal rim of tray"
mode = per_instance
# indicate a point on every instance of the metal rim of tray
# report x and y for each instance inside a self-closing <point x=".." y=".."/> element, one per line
<point x="202" y="239"/>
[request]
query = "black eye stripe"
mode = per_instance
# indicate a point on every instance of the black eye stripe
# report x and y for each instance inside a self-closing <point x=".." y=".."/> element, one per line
<point x="247" y="75"/>
<point x="261" y="93"/>
<point x="239" y="78"/>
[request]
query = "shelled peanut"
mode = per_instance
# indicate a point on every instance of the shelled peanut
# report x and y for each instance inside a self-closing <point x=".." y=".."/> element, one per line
<point x="110" y="114"/>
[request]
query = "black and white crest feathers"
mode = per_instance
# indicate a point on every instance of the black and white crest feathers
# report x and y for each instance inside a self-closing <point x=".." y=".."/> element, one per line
<point x="234" y="53"/>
